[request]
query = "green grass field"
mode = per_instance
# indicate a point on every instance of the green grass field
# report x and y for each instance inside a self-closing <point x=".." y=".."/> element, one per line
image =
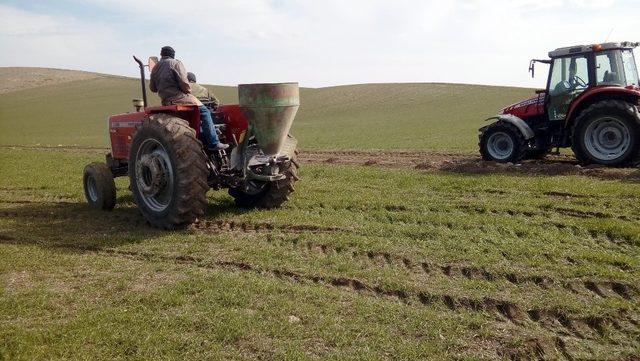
<point x="451" y="265"/>
<point x="364" y="262"/>
<point x="378" y="116"/>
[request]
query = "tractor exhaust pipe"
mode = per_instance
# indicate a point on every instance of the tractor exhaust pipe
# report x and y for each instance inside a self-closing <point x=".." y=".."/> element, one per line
<point x="142" y="81"/>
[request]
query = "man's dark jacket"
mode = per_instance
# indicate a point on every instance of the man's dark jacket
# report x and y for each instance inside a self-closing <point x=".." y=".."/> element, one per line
<point x="169" y="80"/>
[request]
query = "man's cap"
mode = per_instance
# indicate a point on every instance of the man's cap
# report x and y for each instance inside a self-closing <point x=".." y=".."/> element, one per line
<point x="191" y="77"/>
<point x="167" y="51"/>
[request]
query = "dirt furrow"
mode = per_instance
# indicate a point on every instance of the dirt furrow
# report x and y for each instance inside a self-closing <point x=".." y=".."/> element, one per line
<point x="544" y="211"/>
<point x="588" y="287"/>
<point x="464" y="163"/>
<point x="205" y="225"/>
<point x="230" y="226"/>
<point x="553" y="320"/>
<point x="600" y="288"/>
<point x="421" y="160"/>
<point x="556" y="321"/>
<point x="198" y="226"/>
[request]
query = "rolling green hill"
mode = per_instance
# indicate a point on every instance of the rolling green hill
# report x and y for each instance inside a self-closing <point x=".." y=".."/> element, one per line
<point x="442" y="117"/>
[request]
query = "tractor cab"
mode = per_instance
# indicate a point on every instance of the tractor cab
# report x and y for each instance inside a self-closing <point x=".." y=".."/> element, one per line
<point x="574" y="70"/>
<point x="591" y="104"/>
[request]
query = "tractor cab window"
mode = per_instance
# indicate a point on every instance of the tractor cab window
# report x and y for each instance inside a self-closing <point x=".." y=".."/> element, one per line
<point x="608" y="68"/>
<point x="569" y="78"/>
<point x="630" y="69"/>
<point x="616" y="67"/>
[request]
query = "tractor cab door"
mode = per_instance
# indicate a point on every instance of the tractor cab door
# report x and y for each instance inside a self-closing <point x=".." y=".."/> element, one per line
<point x="569" y="78"/>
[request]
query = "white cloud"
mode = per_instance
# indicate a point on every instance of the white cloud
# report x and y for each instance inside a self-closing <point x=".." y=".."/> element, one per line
<point x="321" y="42"/>
<point x="593" y="4"/>
<point x="32" y="39"/>
<point x="16" y="22"/>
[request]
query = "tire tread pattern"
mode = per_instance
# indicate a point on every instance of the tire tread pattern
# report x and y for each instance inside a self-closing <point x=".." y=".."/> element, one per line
<point x="519" y="142"/>
<point x="105" y="184"/>
<point x="191" y="169"/>
<point x="616" y="105"/>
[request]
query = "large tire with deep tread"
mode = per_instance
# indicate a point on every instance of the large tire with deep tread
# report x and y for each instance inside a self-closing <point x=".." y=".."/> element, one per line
<point x="99" y="187"/>
<point x="623" y="112"/>
<point x="187" y="200"/>
<point x="519" y="150"/>
<point x="273" y="195"/>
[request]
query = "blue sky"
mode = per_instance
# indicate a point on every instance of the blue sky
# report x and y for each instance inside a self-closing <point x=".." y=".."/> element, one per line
<point x="318" y="43"/>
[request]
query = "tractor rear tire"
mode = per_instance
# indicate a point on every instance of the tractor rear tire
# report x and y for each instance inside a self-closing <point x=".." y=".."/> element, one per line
<point x="502" y="142"/>
<point x="607" y="133"/>
<point x="273" y="195"/>
<point x="168" y="172"/>
<point x="99" y="187"/>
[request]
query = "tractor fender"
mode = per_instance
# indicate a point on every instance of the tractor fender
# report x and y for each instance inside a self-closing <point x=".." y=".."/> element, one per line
<point x="524" y="128"/>
<point x="601" y="93"/>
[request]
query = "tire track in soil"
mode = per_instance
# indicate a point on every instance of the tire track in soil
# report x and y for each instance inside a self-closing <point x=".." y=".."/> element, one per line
<point x="231" y="226"/>
<point x="575" y="230"/>
<point x="529" y="350"/>
<point x="614" y="239"/>
<point x="599" y="288"/>
<point x="576" y="213"/>
<point x="566" y="195"/>
<point x="553" y="320"/>
<point x="544" y="212"/>
<point x="198" y="226"/>
<point x="562" y="346"/>
<point x="224" y="225"/>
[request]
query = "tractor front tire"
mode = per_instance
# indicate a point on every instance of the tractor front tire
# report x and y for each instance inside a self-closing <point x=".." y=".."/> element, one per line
<point x="502" y="142"/>
<point x="168" y="172"/>
<point x="607" y="133"/>
<point x="99" y="187"/>
<point x="273" y="194"/>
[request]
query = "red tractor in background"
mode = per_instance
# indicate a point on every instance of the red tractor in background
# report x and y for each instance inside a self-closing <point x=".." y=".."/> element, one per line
<point x="590" y="104"/>
<point x="170" y="172"/>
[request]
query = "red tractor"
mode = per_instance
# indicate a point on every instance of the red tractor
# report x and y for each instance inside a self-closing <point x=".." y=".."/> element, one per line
<point x="161" y="151"/>
<point x="590" y="104"/>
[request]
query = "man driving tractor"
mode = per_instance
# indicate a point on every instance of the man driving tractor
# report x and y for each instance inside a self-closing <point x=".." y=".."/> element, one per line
<point x="169" y="80"/>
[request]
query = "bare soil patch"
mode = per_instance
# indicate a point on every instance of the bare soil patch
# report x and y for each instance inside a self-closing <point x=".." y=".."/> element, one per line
<point x="553" y="165"/>
<point x="17" y="78"/>
<point x="466" y="163"/>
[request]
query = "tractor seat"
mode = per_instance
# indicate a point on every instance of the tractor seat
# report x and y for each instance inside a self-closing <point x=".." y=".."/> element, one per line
<point x="610" y="77"/>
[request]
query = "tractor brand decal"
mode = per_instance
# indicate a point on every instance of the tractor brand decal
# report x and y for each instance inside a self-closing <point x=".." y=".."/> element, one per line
<point x="532" y="101"/>
<point x="125" y="124"/>
<point x="539" y="100"/>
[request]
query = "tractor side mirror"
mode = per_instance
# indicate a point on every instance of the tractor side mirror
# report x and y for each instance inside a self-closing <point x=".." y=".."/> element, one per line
<point x="532" y="65"/>
<point x="153" y="60"/>
<point x="532" y="68"/>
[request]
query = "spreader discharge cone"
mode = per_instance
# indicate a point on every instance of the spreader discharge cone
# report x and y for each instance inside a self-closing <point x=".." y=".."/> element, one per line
<point x="270" y="110"/>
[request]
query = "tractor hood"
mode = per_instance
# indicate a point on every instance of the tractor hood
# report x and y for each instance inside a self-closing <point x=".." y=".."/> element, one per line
<point x="269" y="110"/>
<point x="526" y="108"/>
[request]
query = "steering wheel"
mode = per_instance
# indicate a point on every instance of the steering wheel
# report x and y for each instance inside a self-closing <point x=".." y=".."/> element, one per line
<point x="580" y="81"/>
